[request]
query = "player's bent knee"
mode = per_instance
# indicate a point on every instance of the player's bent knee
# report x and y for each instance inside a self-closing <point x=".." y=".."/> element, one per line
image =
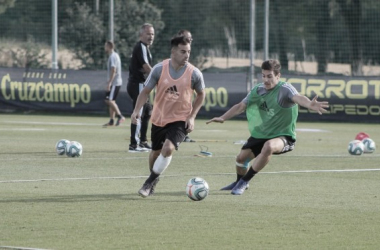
<point x="242" y="158"/>
<point x="239" y="160"/>
<point x="268" y="148"/>
<point x="167" y="150"/>
<point x="242" y="162"/>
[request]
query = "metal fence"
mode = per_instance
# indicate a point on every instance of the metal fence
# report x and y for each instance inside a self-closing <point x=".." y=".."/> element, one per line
<point x="308" y="37"/>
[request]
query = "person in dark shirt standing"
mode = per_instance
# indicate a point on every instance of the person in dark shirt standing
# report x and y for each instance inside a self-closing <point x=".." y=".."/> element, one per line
<point x="139" y="69"/>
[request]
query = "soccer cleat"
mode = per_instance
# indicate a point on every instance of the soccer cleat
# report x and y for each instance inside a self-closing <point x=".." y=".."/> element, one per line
<point x="240" y="187"/>
<point x="145" y="190"/>
<point x="154" y="183"/>
<point x="188" y="139"/>
<point x="137" y="149"/>
<point x="145" y="144"/>
<point x="120" y="120"/>
<point x="231" y="186"/>
<point x="109" y="124"/>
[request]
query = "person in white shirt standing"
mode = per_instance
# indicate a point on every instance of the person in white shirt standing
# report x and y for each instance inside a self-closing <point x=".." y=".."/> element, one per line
<point x="113" y="84"/>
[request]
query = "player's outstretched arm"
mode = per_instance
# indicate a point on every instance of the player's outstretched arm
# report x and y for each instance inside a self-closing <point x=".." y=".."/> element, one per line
<point x="141" y="100"/>
<point x="232" y="112"/>
<point x="303" y="101"/>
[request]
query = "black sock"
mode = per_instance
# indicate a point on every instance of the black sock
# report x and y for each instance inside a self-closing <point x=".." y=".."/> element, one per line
<point x="238" y="177"/>
<point x="133" y="132"/>
<point x="152" y="177"/>
<point x="249" y="175"/>
<point x="111" y="121"/>
<point x="118" y="116"/>
<point x="144" y="127"/>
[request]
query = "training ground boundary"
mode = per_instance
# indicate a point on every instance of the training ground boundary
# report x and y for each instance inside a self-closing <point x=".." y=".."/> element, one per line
<point x="203" y="174"/>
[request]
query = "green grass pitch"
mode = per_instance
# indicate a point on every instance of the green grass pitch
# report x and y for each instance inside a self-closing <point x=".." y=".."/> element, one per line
<point x="55" y="202"/>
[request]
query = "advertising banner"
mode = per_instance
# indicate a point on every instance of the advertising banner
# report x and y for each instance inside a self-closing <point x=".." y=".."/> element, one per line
<point x="352" y="99"/>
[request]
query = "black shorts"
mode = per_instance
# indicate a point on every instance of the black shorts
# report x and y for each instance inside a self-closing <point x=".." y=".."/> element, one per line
<point x="133" y="92"/>
<point x="256" y="145"/>
<point x="112" y="94"/>
<point x="175" y="132"/>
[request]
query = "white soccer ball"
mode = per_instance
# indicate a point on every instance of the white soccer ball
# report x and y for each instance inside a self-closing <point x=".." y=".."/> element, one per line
<point x="60" y="146"/>
<point x="197" y="189"/>
<point x="369" y="145"/>
<point x="74" y="149"/>
<point x="356" y="147"/>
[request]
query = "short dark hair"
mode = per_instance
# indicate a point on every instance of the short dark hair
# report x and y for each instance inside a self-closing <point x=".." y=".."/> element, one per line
<point x="272" y="65"/>
<point x="177" y="40"/>
<point x="182" y="32"/>
<point x="110" y="44"/>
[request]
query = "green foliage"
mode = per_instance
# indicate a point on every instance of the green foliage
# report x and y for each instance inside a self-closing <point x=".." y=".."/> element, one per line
<point x="5" y="4"/>
<point x="216" y="27"/>
<point x="84" y="33"/>
<point x="326" y="31"/>
<point x="27" y="18"/>
<point x="129" y="16"/>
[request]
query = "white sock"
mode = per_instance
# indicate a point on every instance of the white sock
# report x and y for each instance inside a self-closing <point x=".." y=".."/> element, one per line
<point x="161" y="164"/>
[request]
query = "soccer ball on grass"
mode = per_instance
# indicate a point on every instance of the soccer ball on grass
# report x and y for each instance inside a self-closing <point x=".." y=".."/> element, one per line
<point x="356" y="147"/>
<point x="197" y="189"/>
<point x="60" y="146"/>
<point x="369" y="145"/>
<point x="74" y="149"/>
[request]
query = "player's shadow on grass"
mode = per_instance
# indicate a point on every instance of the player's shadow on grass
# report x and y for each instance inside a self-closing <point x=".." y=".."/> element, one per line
<point x="73" y="198"/>
<point x="176" y="193"/>
<point x="28" y="153"/>
<point x="220" y="193"/>
<point x="89" y="198"/>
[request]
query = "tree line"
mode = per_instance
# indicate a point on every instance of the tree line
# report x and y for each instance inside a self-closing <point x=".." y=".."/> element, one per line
<point x="325" y="31"/>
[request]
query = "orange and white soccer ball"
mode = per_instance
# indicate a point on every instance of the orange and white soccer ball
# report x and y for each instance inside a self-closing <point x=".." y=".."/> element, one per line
<point x="197" y="189"/>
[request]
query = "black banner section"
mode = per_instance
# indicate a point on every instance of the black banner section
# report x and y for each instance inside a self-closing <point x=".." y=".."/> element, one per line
<point x="352" y="99"/>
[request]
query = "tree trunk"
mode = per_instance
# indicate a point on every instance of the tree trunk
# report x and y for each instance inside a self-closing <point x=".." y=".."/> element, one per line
<point x="322" y="27"/>
<point x="281" y="39"/>
<point x="352" y="13"/>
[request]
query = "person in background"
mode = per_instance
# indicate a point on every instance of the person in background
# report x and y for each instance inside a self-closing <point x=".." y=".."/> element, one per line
<point x="113" y="84"/>
<point x="139" y="69"/>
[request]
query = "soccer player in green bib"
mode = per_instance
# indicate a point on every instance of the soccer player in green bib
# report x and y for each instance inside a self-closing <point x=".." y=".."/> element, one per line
<point x="272" y="110"/>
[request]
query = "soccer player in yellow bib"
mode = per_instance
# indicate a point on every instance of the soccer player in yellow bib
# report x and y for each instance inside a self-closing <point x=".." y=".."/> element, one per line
<point x="272" y="111"/>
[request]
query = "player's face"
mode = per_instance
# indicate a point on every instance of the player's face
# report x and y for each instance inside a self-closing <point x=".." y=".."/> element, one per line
<point x="270" y="79"/>
<point x="147" y="36"/>
<point x="181" y="54"/>
<point x="106" y="48"/>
